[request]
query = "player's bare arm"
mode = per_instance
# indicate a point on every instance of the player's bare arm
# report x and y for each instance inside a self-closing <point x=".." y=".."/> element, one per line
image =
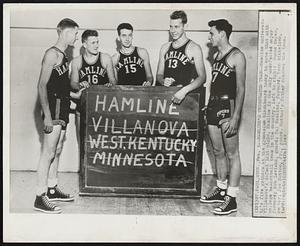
<point x="238" y="61"/>
<point x="115" y="60"/>
<point x="145" y="56"/>
<point x="161" y="65"/>
<point x="49" y="61"/>
<point x="195" y="53"/>
<point x="75" y="67"/>
<point x="108" y="64"/>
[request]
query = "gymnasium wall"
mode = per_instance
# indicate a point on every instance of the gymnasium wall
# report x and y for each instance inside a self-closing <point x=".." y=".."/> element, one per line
<point x="32" y="31"/>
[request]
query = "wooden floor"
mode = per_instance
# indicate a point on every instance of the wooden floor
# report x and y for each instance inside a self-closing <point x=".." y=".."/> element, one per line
<point x="22" y="195"/>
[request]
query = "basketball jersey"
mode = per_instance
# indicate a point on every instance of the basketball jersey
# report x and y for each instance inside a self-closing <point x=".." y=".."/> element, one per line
<point x="95" y="73"/>
<point x="223" y="77"/>
<point x="59" y="82"/>
<point x="130" y="69"/>
<point x="179" y="66"/>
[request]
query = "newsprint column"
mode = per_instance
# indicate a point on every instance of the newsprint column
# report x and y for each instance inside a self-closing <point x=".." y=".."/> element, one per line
<point x="270" y="171"/>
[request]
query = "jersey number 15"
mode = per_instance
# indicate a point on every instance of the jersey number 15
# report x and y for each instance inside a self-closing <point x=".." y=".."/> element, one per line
<point x="131" y="68"/>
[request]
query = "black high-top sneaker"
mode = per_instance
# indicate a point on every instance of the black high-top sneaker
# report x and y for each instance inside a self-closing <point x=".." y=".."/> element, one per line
<point x="217" y="195"/>
<point x="43" y="204"/>
<point x="55" y="194"/>
<point x="228" y="206"/>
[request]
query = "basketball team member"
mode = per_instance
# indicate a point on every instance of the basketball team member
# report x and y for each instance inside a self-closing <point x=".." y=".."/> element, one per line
<point x="223" y="115"/>
<point x="54" y="94"/>
<point x="93" y="67"/>
<point x="180" y="61"/>
<point x="131" y="63"/>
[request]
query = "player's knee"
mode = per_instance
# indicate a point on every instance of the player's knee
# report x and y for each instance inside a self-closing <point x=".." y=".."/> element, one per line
<point x="219" y="152"/>
<point x="233" y="154"/>
<point x="50" y="153"/>
<point x="58" y="150"/>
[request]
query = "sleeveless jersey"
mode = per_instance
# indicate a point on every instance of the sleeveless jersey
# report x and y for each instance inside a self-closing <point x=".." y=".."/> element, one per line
<point x="223" y="77"/>
<point x="179" y="66"/>
<point x="94" y="73"/>
<point x="130" y="69"/>
<point x="59" y="82"/>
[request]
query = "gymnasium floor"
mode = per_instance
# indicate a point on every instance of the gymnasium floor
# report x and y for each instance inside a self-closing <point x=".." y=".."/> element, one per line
<point x="22" y="195"/>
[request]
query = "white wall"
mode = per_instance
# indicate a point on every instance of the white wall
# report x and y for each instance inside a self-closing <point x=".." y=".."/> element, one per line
<point x="33" y="31"/>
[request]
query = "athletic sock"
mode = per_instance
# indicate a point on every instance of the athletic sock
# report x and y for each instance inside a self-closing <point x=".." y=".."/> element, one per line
<point x="52" y="182"/>
<point x="233" y="191"/>
<point x="222" y="184"/>
<point x="41" y="190"/>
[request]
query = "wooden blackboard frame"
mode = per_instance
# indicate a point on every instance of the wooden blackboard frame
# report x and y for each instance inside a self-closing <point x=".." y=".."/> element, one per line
<point x="141" y="191"/>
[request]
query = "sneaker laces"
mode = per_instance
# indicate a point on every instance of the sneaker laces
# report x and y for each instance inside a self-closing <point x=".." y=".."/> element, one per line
<point x="225" y="203"/>
<point x="48" y="203"/>
<point x="213" y="193"/>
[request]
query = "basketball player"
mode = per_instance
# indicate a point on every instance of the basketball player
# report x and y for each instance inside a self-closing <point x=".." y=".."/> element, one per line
<point x="223" y="116"/>
<point x="91" y="68"/>
<point x="54" y="94"/>
<point x="131" y="63"/>
<point x="180" y="61"/>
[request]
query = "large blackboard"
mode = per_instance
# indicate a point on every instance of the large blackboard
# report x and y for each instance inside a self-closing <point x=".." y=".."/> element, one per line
<point x="135" y="142"/>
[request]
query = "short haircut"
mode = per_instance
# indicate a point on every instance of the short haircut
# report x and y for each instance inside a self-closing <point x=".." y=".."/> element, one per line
<point x="88" y="33"/>
<point x="124" y="26"/>
<point x="66" y="23"/>
<point x="179" y="14"/>
<point x="221" y="25"/>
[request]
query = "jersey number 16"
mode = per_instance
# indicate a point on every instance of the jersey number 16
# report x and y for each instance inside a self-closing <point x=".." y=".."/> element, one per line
<point x="92" y="79"/>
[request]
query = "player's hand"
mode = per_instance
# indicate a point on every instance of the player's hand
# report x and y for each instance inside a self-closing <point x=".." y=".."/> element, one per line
<point x="230" y="127"/>
<point x="77" y="95"/>
<point x="109" y="84"/>
<point x="48" y="125"/>
<point x="179" y="96"/>
<point x="147" y="83"/>
<point x="168" y="81"/>
<point x="84" y="84"/>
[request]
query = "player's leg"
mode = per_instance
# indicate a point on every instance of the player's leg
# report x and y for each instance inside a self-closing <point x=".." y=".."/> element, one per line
<point x="232" y="150"/>
<point x="218" y="193"/>
<point x="54" y="193"/>
<point x="52" y="178"/>
<point x="48" y="154"/>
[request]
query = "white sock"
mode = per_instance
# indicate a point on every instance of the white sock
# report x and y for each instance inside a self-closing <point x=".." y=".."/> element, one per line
<point x="233" y="191"/>
<point x="52" y="182"/>
<point x="40" y="190"/>
<point x="222" y="184"/>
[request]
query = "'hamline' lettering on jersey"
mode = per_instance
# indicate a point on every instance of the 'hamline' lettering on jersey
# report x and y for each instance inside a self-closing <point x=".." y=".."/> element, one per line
<point x="130" y="60"/>
<point x="222" y="68"/>
<point x="177" y="55"/>
<point x="62" y="69"/>
<point x="92" y="70"/>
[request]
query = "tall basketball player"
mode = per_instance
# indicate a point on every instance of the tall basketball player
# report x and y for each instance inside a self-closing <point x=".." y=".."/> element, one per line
<point x="224" y="114"/>
<point x="131" y="63"/>
<point x="54" y="94"/>
<point x="180" y="61"/>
